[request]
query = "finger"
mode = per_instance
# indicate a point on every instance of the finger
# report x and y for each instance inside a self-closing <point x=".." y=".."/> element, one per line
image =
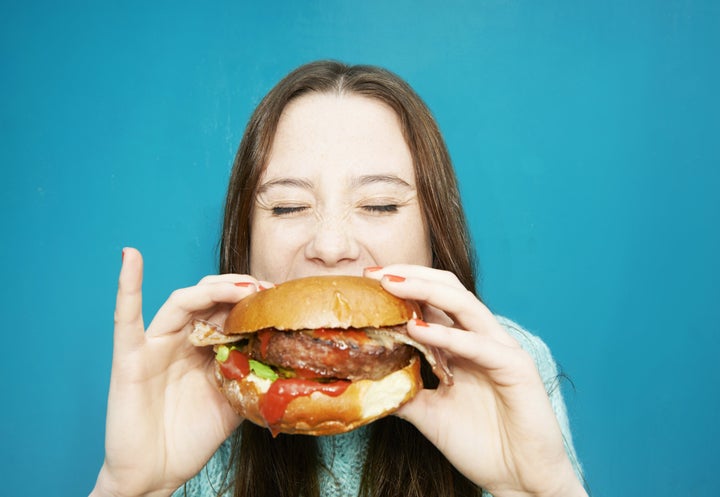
<point x="129" y="327"/>
<point x="429" y="312"/>
<point x="184" y="304"/>
<point x="418" y="410"/>
<point x="413" y="271"/>
<point x="228" y="278"/>
<point x="460" y="304"/>
<point x="238" y="279"/>
<point x="264" y="285"/>
<point x="459" y="300"/>
<point x="480" y="349"/>
<point x="434" y="315"/>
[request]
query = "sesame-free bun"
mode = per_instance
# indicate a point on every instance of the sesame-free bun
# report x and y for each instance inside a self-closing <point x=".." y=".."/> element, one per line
<point x="320" y="302"/>
<point x="329" y="302"/>
<point x="318" y="414"/>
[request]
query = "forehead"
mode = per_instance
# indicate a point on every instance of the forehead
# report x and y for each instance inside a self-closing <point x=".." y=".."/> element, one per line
<point x="325" y="133"/>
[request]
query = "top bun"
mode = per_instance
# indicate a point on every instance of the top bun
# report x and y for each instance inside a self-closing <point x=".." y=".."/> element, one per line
<point x="320" y="302"/>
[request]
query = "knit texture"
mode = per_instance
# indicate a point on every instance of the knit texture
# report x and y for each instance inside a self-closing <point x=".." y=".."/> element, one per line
<point x="344" y="455"/>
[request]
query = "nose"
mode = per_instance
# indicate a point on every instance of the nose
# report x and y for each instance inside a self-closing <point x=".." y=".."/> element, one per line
<point x="333" y="244"/>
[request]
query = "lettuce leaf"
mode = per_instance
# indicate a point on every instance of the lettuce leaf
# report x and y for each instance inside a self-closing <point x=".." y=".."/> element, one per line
<point x="262" y="370"/>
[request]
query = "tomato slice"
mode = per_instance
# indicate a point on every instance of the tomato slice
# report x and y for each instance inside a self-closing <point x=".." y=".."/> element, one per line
<point x="282" y="391"/>
<point x="236" y="366"/>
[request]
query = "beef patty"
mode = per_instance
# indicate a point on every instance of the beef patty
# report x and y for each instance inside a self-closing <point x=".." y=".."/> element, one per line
<point x="330" y="354"/>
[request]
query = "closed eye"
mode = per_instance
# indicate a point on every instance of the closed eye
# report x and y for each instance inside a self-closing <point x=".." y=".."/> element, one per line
<point x="287" y="210"/>
<point x="381" y="209"/>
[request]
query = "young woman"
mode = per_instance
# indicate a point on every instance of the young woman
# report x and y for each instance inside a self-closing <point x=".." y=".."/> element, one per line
<point x="342" y="170"/>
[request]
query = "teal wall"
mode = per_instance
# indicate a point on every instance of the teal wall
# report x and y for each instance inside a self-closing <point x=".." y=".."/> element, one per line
<point x="585" y="134"/>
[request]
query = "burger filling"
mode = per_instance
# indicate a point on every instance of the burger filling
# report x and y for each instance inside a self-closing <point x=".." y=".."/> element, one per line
<point x="301" y="363"/>
<point x="323" y="355"/>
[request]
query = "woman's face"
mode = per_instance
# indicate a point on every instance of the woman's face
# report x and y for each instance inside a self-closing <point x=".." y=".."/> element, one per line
<point x="338" y="193"/>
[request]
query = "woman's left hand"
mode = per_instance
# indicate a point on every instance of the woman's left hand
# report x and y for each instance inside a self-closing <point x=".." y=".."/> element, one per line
<point x="495" y="424"/>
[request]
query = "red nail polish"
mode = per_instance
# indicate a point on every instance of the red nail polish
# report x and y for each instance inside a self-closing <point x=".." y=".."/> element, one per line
<point x="244" y="284"/>
<point x="122" y="259"/>
<point x="373" y="268"/>
<point x="260" y="287"/>
<point x="395" y="278"/>
<point x="420" y="322"/>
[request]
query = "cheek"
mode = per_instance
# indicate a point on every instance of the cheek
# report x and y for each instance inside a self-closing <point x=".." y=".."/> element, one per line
<point x="416" y="248"/>
<point x="262" y="249"/>
<point x="403" y="241"/>
<point x="272" y="248"/>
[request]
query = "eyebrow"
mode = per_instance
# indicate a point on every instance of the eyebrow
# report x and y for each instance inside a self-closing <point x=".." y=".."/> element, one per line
<point x="369" y="179"/>
<point x="288" y="182"/>
<point x="380" y="178"/>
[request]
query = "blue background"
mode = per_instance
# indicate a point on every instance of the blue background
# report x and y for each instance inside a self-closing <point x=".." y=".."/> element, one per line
<point x="585" y="135"/>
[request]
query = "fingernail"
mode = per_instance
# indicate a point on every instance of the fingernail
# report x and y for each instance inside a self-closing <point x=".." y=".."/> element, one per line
<point x="420" y="322"/>
<point x="244" y="284"/>
<point x="373" y="268"/>
<point x="394" y="278"/>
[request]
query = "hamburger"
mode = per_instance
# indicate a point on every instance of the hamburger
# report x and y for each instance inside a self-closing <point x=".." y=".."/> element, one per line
<point x="318" y="356"/>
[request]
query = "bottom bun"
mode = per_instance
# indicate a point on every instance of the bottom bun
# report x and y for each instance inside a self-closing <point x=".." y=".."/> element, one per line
<point x="318" y="414"/>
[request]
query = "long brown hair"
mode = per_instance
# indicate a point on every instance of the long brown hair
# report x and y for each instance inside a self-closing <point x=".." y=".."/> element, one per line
<point x="400" y="461"/>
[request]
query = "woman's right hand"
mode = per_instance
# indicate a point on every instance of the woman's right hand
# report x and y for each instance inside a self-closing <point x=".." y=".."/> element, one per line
<point x="165" y="416"/>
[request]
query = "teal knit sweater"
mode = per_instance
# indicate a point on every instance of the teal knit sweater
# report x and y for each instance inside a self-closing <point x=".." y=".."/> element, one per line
<point x="345" y="454"/>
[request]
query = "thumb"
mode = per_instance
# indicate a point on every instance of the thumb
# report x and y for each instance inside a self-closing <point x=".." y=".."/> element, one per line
<point x="418" y="411"/>
<point x="129" y="327"/>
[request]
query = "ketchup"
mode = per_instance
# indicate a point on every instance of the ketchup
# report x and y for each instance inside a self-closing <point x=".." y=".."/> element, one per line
<point x="333" y="334"/>
<point x="236" y="366"/>
<point x="264" y="337"/>
<point x="283" y="391"/>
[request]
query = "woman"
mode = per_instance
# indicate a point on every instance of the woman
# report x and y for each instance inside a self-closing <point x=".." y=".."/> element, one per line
<point x="341" y="170"/>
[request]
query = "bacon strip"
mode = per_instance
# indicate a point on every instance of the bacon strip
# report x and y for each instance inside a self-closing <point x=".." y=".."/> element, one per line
<point x="206" y="333"/>
<point x="434" y="356"/>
